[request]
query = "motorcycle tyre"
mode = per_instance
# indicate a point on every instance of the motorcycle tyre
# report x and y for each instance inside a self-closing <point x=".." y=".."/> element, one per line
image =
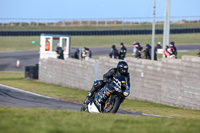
<point x="115" y="106"/>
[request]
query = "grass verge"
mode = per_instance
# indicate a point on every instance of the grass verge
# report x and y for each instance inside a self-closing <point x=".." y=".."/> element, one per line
<point x="23" y="120"/>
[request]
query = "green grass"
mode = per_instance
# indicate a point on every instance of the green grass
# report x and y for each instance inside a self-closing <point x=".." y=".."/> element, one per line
<point x="20" y="43"/>
<point x="19" y="120"/>
<point x="31" y="120"/>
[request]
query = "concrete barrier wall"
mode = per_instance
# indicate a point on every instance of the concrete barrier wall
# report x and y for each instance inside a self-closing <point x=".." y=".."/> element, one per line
<point x="171" y="82"/>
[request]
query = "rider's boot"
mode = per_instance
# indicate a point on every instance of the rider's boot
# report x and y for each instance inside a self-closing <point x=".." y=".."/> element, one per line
<point x="90" y="94"/>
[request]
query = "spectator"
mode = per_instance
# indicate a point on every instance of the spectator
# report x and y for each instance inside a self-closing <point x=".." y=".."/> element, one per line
<point x="122" y="52"/>
<point x="159" y="45"/>
<point x="168" y="53"/>
<point x="83" y="55"/>
<point x="76" y="54"/>
<point x="135" y="45"/>
<point x="173" y="48"/>
<point x="113" y="52"/>
<point x="148" y="51"/>
<point x="60" y="54"/>
<point x="88" y="53"/>
<point x="141" y="53"/>
<point x="136" y="53"/>
<point x="198" y="53"/>
<point x="155" y="53"/>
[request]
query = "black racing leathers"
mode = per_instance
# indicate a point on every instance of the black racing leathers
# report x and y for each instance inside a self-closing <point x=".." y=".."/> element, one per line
<point x="107" y="77"/>
<point x="113" y="73"/>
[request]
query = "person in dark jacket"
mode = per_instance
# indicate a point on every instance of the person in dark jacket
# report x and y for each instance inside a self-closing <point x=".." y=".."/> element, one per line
<point x="60" y="54"/>
<point x="173" y="48"/>
<point x="122" y="52"/>
<point x="113" y="52"/>
<point x="148" y="51"/>
<point x="121" y="70"/>
<point x="136" y="52"/>
<point x="76" y="54"/>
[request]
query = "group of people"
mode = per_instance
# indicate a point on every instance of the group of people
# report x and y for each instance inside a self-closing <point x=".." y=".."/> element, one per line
<point x="138" y="51"/>
<point x="144" y="52"/>
<point x="85" y="54"/>
<point x="118" y="55"/>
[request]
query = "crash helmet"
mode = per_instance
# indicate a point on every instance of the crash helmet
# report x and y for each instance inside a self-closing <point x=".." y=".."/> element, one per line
<point x="122" y="67"/>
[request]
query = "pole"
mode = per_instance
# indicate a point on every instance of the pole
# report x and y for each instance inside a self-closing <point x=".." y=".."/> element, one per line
<point x="153" y="30"/>
<point x="166" y="28"/>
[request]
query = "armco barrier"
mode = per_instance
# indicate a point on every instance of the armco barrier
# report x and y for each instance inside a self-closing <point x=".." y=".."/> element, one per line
<point x="171" y="82"/>
<point x="99" y="32"/>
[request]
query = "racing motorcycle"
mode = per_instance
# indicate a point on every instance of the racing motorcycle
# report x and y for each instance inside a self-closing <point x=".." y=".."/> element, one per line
<point x="108" y="98"/>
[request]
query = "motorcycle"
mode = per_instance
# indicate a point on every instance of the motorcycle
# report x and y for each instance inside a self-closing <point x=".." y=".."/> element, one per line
<point x="108" y="98"/>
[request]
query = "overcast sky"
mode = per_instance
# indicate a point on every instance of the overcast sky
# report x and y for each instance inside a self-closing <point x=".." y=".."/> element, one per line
<point x="76" y="9"/>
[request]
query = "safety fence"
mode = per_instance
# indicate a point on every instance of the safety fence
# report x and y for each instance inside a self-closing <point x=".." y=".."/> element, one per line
<point x="99" y="32"/>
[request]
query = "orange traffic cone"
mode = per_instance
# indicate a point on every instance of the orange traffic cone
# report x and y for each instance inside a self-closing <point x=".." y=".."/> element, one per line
<point x="18" y="63"/>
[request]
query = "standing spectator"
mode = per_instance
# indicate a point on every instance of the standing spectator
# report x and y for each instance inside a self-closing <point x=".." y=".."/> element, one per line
<point x="60" y="54"/>
<point x="159" y="45"/>
<point x="136" y="46"/>
<point x="122" y="52"/>
<point x="173" y="48"/>
<point x="88" y="53"/>
<point x="83" y="55"/>
<point x="148" y="51"/>
<point x="113" y="52"/>
<point x="76" y="54"/>
<point x="168" y="53"/>
<point x="165" y="52"/>
<point x="155" y="53"/>
<point x="141" y="53"/>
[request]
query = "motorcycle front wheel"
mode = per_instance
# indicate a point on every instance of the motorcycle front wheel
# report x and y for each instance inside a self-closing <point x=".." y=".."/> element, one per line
<point x="112" y="104"/>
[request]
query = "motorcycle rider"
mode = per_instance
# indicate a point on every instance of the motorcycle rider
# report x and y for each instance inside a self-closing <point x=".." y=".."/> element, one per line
<point x="121" y="70"/>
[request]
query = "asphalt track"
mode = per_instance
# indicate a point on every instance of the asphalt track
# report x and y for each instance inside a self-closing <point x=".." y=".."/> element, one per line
<point x="30" y="58"/>
<point x="13" y="97"/>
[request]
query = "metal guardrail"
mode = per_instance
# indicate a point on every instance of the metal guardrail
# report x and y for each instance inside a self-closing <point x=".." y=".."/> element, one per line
<point x="100" y="32"/>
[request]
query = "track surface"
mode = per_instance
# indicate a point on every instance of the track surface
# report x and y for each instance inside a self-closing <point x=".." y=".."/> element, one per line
<point x="13" y="97"/>
<point x="30" y="58"/>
